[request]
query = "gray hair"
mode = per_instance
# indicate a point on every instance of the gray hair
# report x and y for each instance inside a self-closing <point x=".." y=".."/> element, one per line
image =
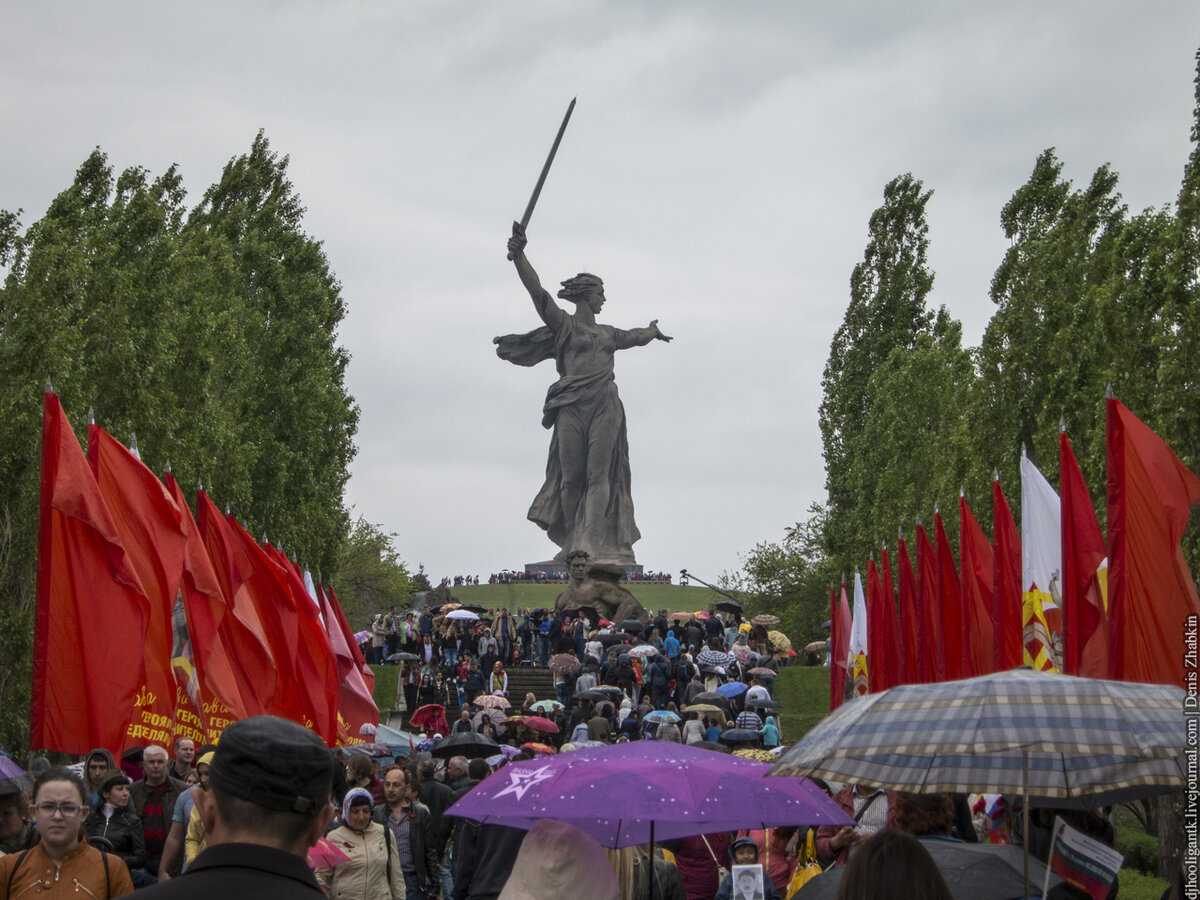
<point x="154" y="750"/>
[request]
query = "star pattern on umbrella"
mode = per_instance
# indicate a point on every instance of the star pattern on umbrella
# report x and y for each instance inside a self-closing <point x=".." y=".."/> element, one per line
<point x="522" y="781"/>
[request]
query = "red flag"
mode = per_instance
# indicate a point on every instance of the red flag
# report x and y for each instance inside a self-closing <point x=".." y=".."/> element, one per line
<point x="910" y="618"/>
<point x="243" y="631"/>
<point x="1085" y="572"/>
<point x="881" y="632"/>
<point x="228" y="659"/>
<point x="949" y="596"/>
<point x="90" y="606"/>
<point x="356" y="705"/>
<point x="978" y="576"/>
<point x="1007" y="601"/>
<point x="1152" y="597"/>
<point x="839" y="646"/>
<point x="312" y="657"/>
<point x="897" y="674"/>
<point x="148" y="523"/>
<point x="931" y="653"/>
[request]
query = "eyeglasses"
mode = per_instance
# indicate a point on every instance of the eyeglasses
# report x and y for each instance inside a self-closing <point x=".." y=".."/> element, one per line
<point x="68" y="810"/>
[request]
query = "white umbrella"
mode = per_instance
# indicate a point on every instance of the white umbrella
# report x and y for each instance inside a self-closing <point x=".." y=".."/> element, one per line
<point x="463" y="615"/>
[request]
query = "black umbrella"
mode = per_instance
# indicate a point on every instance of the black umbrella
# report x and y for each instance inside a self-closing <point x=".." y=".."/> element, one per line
<point x="974" y="871"/>
<point x="466" y="743"/>
<point x="712" y="697"/>
<point x="740" y="736"/>
<point x="612" y="637"/>
<point x="403" y="657"/>
<point x="731" y="605"/>
<point x="633" y="626"/>
<point x="474" y="607"/>
<point x="713" y="745"/>
<point x="766" y="704"/>
<point x="599" y="695"/>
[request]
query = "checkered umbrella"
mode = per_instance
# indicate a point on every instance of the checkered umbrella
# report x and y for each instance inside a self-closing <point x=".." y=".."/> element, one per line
<point x="1083" y="740"/>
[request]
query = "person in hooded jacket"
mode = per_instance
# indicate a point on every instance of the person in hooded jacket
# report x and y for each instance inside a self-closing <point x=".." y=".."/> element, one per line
<point x="372" y="871"/>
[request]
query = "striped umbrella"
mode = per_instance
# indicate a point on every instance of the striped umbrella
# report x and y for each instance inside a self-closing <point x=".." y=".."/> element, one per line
<point x="1069" y="739"/>
<point x="712" y="658"/>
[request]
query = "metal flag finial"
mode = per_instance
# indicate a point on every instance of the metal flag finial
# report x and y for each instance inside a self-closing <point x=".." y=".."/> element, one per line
<point x="133" y="447"/>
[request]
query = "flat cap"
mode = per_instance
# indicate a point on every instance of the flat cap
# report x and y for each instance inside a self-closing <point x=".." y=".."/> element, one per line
<point x="275" y="764"/>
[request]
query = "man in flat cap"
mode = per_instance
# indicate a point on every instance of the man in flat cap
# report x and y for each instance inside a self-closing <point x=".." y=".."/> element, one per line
<point x="268" y="802"/>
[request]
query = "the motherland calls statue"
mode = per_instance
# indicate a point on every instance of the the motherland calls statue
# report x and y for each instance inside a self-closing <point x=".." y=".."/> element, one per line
<point x="598" y="590"/>
<point x="586" y="503"/>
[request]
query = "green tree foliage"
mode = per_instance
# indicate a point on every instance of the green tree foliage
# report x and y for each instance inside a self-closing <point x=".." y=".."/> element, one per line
<point x="887" y="315"/>
<point x="791" y="580"/>
<point x="372" y="576"/>
<point x="1086" y="295"/>
<point x="212" y="335"/>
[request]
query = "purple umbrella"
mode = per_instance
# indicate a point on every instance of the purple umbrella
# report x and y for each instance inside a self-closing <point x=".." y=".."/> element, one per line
<point x="13" y="779"/>
<point x="624" y="794"/>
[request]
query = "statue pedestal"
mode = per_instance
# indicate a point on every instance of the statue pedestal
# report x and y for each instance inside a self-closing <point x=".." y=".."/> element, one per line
<point x="556" y="567"/>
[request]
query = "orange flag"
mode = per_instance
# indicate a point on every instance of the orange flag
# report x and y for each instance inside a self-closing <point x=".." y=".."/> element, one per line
<point x="910" y="618"/>
<point x="90" y="606"/>
<point x="148" y="523"/>
<point x="1085" y="573"/>
<point x="978" y="575"/>
<point x="1152" y="598"/>
<point x="1007" y="600"/>
<point x="931" y="653"/>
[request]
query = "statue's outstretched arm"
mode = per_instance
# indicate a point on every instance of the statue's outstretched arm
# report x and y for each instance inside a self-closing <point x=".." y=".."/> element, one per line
<point x="546" y="308"/>
<point x="640" y="337"/>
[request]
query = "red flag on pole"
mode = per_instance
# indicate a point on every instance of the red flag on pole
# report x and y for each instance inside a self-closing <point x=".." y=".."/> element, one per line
<point x="888" y="586"/>
<point x="931" y="655"/>
<point x="978" y="576"/>
<point x="90" y="606"/>
<point x="1085" y="572"/>
<point x="881" y="633"/>
<point x="1007" y="598"/>
<point x="1151" y="593"/>
<point x="243" y="631"/>
<point x="312" y="658"/>
<point x="148" y="523"/>
<point x="356" y="705"/>
<point x="910" y="617"/>
<point x="227" y="658"/>
<point x="949" y="595"/>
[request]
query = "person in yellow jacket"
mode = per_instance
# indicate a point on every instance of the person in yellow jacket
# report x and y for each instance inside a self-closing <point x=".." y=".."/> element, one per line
<point x="372" y="871"/>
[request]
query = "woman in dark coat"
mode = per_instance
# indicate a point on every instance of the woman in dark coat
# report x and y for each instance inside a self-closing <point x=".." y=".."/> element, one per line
<point x="114" y="822"/>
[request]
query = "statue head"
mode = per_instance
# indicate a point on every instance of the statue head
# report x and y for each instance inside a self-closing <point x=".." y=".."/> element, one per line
<point x="583" y="288"/>
<point x="577" y="564"/>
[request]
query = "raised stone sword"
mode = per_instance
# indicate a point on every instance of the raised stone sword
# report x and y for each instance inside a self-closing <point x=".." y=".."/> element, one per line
<point x="537" y="189"/>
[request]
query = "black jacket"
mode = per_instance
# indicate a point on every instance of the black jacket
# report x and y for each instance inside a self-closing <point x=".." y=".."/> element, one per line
<point x="241" y="870"/>
<point x="420" y="838"/>
<point x="124" y="831"/>
<point x="483" y="859"/>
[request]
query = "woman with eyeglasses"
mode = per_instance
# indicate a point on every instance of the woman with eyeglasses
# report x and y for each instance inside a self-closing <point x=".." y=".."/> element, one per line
<point x="62" y="863"/>
<point x="113" y="826"/>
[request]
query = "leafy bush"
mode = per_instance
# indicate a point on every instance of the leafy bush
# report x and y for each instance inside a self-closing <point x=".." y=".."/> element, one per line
<point x="1140" y="850"/>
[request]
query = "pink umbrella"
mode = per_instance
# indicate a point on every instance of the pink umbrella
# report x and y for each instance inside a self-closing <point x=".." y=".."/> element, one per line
<point x="539" y="723"/>
<point x="325" y="855"/>
<point x="643" y="651"/>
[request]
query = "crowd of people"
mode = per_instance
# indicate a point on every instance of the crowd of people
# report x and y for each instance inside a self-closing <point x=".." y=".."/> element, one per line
<point x="272" y="813"/>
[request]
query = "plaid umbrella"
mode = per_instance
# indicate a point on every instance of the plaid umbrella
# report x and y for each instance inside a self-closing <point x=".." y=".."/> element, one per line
<point x="1083" y="740"/>
<point x="765" y="619"/>
<point x="712" y="658"/>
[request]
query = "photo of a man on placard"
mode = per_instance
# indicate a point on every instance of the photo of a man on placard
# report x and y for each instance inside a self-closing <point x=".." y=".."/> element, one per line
<point x="748" y="883"/>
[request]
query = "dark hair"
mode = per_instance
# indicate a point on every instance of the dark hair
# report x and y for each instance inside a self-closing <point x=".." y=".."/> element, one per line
<point x="477" y="770"/>
<point x="361" y="800"/>
<point x="60" y="773"/>
<point x="892" y="864"/>
<point x="248" y="818"/>
<point x="359" y="766"/>
<point x="111" y="779"/>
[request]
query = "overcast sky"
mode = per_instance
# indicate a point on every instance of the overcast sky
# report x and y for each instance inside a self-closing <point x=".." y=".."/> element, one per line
<point x="718" y="174"/>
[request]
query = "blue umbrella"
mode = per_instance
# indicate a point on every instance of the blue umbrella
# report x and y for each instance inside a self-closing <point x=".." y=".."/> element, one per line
<point x="731" y="689"/>
<point x="661" y="715"/>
